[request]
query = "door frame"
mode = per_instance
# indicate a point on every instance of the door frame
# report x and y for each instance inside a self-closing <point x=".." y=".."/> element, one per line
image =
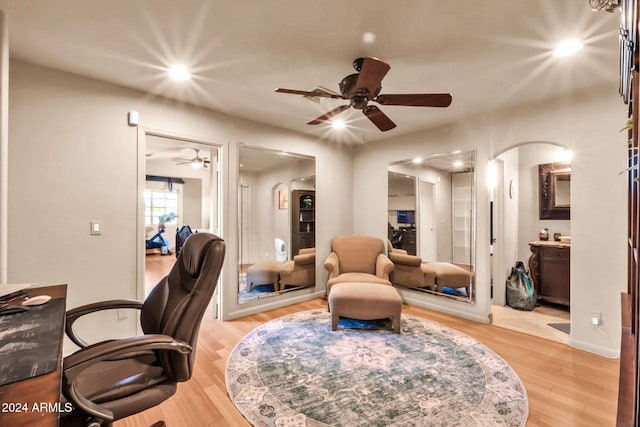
<point x="215" y="215"/>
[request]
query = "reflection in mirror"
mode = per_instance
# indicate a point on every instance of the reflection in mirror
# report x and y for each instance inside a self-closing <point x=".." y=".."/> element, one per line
<point x="431" y="224"/>
<point x="276" y="223"/>
<point x="563" y="190"/>
<point x="180" y="194"/>
<point x="555" y="190"/>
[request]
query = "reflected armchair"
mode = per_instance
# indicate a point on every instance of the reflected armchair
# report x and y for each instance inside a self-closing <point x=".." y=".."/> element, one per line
<point x="356" y="258"/>
<point x="300" y="271"/>
<point x="409" y="271"/>
<point x="114" y="379"/>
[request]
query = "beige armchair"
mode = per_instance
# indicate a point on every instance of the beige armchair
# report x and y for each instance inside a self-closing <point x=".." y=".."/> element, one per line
<point x="356" y="258"/>
<point x="300" y="271"/>
<point x="409" y="271"/>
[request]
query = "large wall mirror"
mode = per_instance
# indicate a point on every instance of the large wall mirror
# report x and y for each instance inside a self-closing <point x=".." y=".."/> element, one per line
<point x="555" y="190"/>
<point x="276" y="211"/>
<point x="431" y="224"/>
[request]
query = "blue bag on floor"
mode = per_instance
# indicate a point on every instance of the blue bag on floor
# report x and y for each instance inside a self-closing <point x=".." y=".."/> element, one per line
<point x="520" y="291"/>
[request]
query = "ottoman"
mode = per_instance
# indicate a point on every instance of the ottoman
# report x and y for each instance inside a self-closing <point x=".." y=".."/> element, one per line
<point x="263" y="273"/>
<point x="364" y="301"/>
<point x="448" y="274"/>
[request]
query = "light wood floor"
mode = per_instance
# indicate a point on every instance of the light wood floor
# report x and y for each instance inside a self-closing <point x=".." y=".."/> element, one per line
<point x="566" y="387"/>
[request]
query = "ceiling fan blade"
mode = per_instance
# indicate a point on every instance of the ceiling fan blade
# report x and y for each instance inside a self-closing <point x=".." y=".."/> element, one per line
<point x="329" y="115"/>
<point x="378" y="118"/>
<point x="307" y="93"/>
<point x="371" y="74"/>
<point x="416" y="99"/>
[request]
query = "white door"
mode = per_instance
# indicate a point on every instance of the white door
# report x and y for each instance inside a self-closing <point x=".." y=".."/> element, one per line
<point x="426" y="221"/>
<point x="245" y="233"/>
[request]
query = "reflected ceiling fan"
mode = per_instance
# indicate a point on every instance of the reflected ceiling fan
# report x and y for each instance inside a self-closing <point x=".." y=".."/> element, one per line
<point x="364" y="87"/>
<point x="196" y="162"/>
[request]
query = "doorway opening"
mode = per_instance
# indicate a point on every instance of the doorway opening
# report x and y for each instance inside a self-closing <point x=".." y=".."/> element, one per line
<point x="518" y="232"/>
<point x="181" y="194"/>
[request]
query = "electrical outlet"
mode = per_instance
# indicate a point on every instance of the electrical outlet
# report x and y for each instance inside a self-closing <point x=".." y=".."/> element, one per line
<point x="596" y="319"/>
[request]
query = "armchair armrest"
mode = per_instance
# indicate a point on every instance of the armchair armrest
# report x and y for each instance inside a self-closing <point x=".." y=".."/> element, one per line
<point x="307" y="251"/>
<point x="410" y="260"/>
<point x="304" y="259"/>
<point x="332" y="265"/>
<point x="88" y="356"/>
<point x="75" y="313"/>
<point x="384" y="266"/>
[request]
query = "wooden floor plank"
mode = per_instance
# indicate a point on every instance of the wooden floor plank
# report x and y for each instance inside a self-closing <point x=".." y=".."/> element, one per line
<point x="566" y="386"/>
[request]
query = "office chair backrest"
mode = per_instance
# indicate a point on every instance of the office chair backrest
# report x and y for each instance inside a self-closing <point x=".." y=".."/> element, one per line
<point x="178" y="302"/>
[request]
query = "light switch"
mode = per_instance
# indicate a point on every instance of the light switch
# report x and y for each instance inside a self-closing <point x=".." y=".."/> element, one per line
<point x="96" y="227"/>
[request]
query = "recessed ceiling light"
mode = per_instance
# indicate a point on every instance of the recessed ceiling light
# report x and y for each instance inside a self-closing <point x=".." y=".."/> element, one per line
<point x="338" y="124"/>
<point x="457" y="163"/>
<point x="567" y="47"/>
<point x="368" y="37"/>
<point x="417" y="160"/>
<point x="179" y="72"/>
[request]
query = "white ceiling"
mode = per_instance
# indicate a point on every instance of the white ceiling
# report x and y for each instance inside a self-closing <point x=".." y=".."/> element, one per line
<point x="489" y="54"/>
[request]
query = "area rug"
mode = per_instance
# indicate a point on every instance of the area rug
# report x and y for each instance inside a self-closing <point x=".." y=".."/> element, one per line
<point x="294" y="371"/>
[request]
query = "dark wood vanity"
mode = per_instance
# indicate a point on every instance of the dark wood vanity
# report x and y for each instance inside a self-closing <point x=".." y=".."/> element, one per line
<point x="549" y="268"/>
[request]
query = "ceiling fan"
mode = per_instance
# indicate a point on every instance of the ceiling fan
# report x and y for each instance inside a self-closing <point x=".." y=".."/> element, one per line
<point x="196" y="162"/>
<point x="364" y="87"/>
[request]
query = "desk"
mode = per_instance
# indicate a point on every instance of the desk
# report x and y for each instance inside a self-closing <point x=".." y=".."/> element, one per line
<point x="42" y="391"/>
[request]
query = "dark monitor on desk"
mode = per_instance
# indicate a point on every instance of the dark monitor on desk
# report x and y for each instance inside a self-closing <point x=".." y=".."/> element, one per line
<point x="406" y="217"/>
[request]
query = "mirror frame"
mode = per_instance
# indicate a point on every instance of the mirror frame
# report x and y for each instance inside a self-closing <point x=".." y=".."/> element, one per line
<point x="471" y="298"/>
<point x="278" y="204"/>
<point x="547" y="176"/>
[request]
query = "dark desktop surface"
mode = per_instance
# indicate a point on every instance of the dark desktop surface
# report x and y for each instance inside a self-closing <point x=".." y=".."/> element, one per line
<point x="34" y="400"/>
<point x="23" y="356"/>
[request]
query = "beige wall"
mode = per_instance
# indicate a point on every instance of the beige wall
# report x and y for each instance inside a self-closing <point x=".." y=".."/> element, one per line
<point x="74" y="159"/>
<point x="589" y="125"/>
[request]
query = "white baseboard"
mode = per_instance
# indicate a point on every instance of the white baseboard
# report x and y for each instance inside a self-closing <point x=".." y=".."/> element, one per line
<point x="611" y="353"/>
<point x="271" y="305"/>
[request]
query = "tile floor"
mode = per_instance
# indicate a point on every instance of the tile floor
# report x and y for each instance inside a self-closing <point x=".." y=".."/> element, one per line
<point x="532" y="322"/>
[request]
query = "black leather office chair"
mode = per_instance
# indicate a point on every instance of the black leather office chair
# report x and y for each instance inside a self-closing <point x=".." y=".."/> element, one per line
<point x="114" y="379"/>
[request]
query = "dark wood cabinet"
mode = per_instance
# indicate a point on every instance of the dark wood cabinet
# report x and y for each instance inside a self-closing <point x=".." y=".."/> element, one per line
<point x="549" y="268"/>
<point x="409" y="241"/>
<point x="303" y="220"/>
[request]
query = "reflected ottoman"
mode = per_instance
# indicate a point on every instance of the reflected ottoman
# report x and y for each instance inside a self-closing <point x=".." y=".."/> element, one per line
<point x="264" y="273"/>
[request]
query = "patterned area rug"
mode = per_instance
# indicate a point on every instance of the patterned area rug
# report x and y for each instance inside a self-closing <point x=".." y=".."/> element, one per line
<point x="294" y="371"/>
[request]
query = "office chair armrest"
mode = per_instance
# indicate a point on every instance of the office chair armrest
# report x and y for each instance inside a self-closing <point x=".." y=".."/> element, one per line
<point x="74" y="364"/>
<point x="75" y="313"/>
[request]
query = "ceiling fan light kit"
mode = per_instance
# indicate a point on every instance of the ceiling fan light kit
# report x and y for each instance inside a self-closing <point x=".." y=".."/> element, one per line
<point x="363" y="87"/>
<point x="196" y="162"/>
